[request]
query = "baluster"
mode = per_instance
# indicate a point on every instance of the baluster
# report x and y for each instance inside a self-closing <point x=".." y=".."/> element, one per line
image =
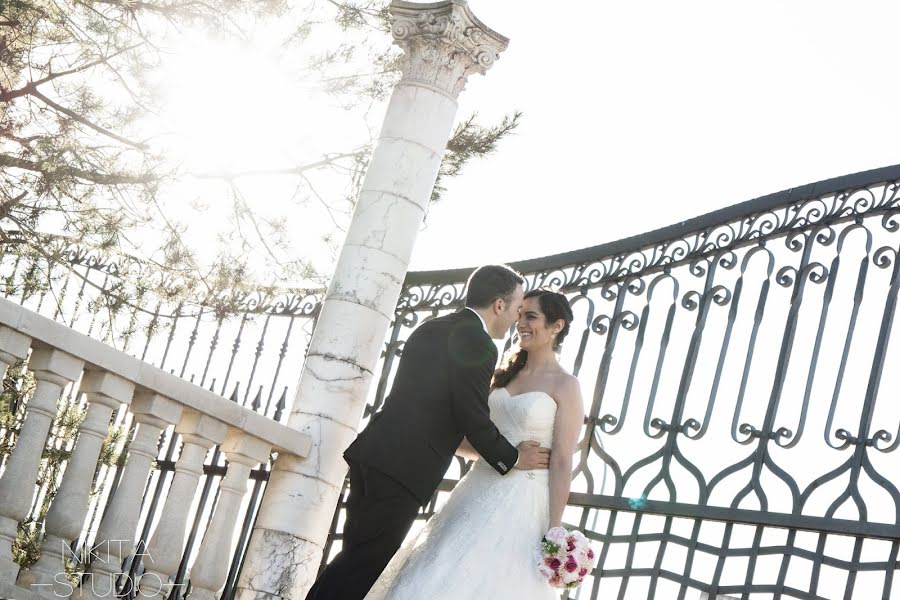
<point x="210" y="569"/>
<point x="65" y="519"/>
<point x="116" y="534"/>
<point x="163" y="554"/>
<point x="13" y="346"/>
<point x="53" y="370"/>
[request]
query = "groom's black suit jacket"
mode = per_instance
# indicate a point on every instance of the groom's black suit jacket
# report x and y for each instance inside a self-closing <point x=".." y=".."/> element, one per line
<point x="439" y="395"/>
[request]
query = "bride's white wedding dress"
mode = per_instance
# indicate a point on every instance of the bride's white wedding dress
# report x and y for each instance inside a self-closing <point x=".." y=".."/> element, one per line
<point x="482" y="542"/>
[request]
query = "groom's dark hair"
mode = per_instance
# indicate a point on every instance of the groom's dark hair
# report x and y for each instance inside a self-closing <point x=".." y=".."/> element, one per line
<point x="489" y="282"/>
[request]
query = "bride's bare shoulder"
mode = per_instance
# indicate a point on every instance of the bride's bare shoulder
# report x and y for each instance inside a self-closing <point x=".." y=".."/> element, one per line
<point x="566" y="386"/>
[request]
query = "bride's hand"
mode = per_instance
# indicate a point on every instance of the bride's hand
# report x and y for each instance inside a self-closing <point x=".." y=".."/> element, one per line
<point x="532" y="456"/>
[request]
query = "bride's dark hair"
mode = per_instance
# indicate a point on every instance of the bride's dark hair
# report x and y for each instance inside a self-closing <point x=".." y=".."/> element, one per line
<point x="555" y="306"/>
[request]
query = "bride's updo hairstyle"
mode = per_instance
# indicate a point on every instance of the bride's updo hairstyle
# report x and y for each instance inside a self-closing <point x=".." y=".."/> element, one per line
<point x="555" y="306"/>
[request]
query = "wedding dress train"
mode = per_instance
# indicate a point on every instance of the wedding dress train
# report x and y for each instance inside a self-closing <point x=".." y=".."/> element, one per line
<point x="482" y="543"/>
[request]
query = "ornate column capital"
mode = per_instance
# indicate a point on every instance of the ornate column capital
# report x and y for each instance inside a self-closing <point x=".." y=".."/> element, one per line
<point x="443" y="42"/>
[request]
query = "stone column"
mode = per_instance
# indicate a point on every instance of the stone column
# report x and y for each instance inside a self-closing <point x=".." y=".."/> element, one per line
<point x="443" y="44"/>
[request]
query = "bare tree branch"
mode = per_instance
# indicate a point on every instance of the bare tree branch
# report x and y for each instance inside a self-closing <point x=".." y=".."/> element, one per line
<point x="295" y="170"/>
<point x="31" y="87"/>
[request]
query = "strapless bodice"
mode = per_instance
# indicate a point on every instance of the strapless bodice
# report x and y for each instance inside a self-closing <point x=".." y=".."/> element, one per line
<point x="525" y="416"/>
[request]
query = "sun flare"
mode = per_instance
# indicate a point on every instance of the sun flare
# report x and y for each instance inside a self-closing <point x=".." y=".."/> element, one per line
<point x="228" y="107"/>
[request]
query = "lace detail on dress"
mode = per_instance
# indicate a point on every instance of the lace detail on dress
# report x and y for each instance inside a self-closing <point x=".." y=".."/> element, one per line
<point x="482" y="542"/>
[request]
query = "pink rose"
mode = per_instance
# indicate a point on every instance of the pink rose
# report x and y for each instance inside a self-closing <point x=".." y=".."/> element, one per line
<point x="571" y="546"/>
<point x="553" y="563"/>
<point x="591" y="554"/>
<point x="571" y="564"/>
<point x="582" y="572"/>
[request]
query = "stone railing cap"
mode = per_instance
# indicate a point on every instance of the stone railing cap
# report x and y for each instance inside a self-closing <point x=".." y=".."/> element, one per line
<point x="101" y="356"/>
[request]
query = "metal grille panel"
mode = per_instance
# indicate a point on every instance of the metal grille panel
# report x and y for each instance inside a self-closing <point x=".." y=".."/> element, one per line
<point x="742" y="414"/>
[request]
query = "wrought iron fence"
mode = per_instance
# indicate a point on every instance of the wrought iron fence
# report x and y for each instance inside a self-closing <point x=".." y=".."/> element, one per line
<point x="231" y="340"/>
<point x="741" y="374"/>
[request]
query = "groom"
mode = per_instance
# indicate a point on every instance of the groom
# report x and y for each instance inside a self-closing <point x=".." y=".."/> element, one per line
<point x="439" y="397"/>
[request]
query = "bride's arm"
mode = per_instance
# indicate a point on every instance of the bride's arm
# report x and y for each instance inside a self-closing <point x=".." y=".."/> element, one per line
<point x="467" y="451"/>
<point x="569" y="419"/>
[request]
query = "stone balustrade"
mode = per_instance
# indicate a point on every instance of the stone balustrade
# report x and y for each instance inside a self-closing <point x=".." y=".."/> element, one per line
<point x="112" y="380"/>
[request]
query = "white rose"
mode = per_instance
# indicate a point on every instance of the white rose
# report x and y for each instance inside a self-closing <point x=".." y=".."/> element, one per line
<point x="569" y="577"/>
<point x="557" y="535"/>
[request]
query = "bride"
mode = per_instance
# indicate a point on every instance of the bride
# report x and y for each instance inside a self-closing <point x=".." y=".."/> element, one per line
<point x="482" y="542"/>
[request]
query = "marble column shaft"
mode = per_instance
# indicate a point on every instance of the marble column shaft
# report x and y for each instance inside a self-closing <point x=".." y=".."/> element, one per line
<point x="443" y="43"/>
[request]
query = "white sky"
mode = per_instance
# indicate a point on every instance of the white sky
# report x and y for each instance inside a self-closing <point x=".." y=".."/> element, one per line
<point x="640" y="115"/>
<point x="636" y="116"/>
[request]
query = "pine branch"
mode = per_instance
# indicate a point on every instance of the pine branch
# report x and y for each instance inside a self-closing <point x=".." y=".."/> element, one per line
<point x="91" y="176"/>
<point x="80" y="119"/>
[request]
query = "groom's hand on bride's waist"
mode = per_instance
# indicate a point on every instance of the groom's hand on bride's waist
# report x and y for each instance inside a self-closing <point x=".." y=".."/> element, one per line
<point x="532" y="456"/>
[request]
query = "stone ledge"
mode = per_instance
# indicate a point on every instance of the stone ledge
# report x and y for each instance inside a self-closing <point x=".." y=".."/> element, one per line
<point x="46" y="332"/>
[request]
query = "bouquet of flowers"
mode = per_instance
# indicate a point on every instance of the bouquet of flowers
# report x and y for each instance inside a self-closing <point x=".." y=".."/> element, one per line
<point x="565" y="558"/>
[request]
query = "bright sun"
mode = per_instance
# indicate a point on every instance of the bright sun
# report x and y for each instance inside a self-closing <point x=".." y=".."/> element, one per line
<point x="235" y="118"/>
<point x="228" y="107"/>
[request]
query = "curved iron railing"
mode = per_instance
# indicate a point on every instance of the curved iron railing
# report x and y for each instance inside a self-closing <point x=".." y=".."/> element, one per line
<point x="741" y="405"/>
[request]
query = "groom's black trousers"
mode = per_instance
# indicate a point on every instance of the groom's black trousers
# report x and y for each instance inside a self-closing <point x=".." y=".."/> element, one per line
<point x="380" y="512"/>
